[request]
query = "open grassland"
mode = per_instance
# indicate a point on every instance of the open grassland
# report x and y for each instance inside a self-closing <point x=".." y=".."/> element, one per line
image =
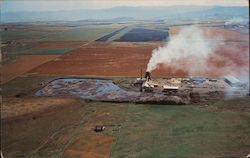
<point x="47" y="132"/>
<point x="182" y="131"/>
<point x="49" y="51"/>
<point x="28" y="133"/>
<point x="22" y="34"/>
<point x="132" y="130"/>
<point x="24" y="85"/>
<point x="63" y="126"/>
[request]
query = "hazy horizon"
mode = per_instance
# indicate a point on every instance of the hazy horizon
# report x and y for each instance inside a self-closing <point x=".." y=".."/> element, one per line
<point x="67" y="5"/>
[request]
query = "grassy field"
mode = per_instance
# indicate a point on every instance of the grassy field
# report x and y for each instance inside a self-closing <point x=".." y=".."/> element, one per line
<point x="132" y="130"/>
<point x="85" y="34"/>
<point x="51" y="51"/>
<point x="182" y="131"/>
<point x="27" y="134"/>
<point x="146" y="131"/>
<point x="21" y="34"/>
<point x="23" y="85"/>
<point x="48" y="133"/>
<point x="121" y="33"/>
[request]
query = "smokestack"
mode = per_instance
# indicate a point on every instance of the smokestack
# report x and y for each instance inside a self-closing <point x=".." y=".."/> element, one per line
<point x="141" y="73"/>
<point x="148" y="76"/>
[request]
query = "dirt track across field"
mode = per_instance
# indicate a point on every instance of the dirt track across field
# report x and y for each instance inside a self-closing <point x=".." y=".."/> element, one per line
<point x="116" y="60"/>
<point x="22" y="64"/>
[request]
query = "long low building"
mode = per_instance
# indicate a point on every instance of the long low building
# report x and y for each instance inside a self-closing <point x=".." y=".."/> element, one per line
<point x="197" y="79"/>
<point x="232" y="81"/>
<point x="170" y="88"/>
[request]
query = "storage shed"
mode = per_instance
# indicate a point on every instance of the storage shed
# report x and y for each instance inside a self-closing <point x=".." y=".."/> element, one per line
<point x="170" y="88"/>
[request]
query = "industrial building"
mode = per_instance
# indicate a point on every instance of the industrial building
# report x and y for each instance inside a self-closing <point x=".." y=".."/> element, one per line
<point x="198" y="79"/>
<point x="175" y="85"/>
<point x="147" y="76"/>
<point x="232" y="81"/>
<point x="147" y="87"/>
<point x="170" y="88"/>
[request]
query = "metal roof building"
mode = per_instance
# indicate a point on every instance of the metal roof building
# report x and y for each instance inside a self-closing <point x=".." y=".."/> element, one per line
<point x="232" y="81"/>
<point x="198" y="79"/>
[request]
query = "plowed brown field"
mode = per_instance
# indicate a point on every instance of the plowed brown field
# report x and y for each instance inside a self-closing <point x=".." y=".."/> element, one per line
<point x="22" y="64"/>
<point x="227" y="35"/>
<point x="117" y="61"/>
<point x="127" y="61"/>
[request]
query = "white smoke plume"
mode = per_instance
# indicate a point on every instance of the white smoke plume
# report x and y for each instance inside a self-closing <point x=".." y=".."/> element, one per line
<point x="189" y="44"/>
<point x="236" y="20"/>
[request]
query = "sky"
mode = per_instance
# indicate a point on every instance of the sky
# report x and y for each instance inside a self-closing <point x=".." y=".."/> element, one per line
<point x="55" y="5"/>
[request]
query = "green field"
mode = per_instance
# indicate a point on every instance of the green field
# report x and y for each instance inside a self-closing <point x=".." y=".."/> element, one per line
<point x="23" y="85"/>
<point x="85" y="34"/>
<point x="121" y="33"/>
<point x="54" y="51"/>
<point x="21" y="34"/>
<point x="182" y="131"/>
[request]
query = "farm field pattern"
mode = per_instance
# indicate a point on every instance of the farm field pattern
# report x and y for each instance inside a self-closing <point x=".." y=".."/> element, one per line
<point x="63" y="126"/>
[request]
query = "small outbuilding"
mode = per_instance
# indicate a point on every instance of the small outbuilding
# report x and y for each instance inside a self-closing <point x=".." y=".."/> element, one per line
<point x="99" y="128"/>
<point x="170" y="88"/>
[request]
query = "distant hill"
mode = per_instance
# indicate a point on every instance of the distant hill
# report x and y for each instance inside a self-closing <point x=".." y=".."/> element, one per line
<point x="128" y="13"/>
<point x="221" y="12"/>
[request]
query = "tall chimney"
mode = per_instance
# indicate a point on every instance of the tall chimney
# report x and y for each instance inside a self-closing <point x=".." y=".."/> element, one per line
<point x="141" y="73"/>
<point x="148" y="76"/>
